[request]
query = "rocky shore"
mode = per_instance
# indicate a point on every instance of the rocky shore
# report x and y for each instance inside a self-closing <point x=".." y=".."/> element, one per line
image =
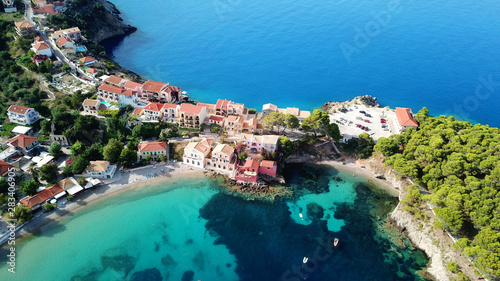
<point x="367" y="100"/>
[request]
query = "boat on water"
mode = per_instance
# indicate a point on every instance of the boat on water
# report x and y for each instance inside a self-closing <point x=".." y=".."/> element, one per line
<point x="335" y="242"/>
<point x="305" y="259"/>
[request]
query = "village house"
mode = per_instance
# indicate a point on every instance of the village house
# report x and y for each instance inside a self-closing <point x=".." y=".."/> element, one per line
<point x="300" y="114"/>
<point x="210" y="108"/>
<point x="268" y="167"/>
<point x="223" y="159"/>
<point x="255" y="144"/>
<point x="38" y="39"/>
<point x="116" y="81"/>
<point x="70" y="186"/>
<point x="405" y="119"/>
<point x="234" y="125"/>
<point x="192" y="116"/>
<point x="93" y="107"/>
<point x="170" y="94"/>
<point x="109" y="93"/>
<point x="196" y="152"/>
<point x="268" y="108"/>
<point x="170" y="112"/>
<point x="100" y="169"/>
<point x="5" y="168"/>
<point x="151" y="89"/>
<point x="216" y="120"/>
<point x="42" y="49"/>
<point x="36" y="201"/>
<point x="152" y="111"/>
<point x="67" y="45"/>
<point x="45" y="9"/>
<point x="226" y="108"/>
<point x="221" y="107"/>
<point x="60" y="139"/>
<point x="25" y="144"/>
<point x="74" y="33"/>
<point x="252" y="126"/>
<point x="153" y="149"/>
<point x="130" y="85"/>
<point x="22" y="115"/>
<point x="9" y="6"/>
<point x="88" y="60"/>
<point x="92" y="71"/>
<point x="24" y="28"/>
<point x="22" y="130"/>
<point x="248" y="172"/>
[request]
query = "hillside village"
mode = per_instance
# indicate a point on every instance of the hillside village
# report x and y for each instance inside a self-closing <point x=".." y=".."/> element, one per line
<point x="97" y="122"/>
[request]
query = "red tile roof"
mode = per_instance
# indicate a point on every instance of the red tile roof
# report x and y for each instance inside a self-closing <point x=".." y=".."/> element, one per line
<point x="153" y="106"/>
<point x="169" y="105"/>
<point x="138" y="111"/>
<point x="62" y="41"/>
<point x="47" y="9"/>
<point x="222" y="104"/>
<point x="252" y="164"/>
<point x="267" y="163"/>
<point x="39" y="39"/>
<point x="112" y="89"/>
<point x="132" y="85"/>
<point x="22" y="140"/>
<point x="4" y="168"/>
<point x="19" y="109"/>
<point x="153" y="86"/>
<point x="40" y="46"/>
<point x="115" y="79"/>
<point x="92" y="70"/>
<point x="405" y="117"/>
<point x="191" y="108"/>
<point x="129" y="93"/>
<point x="42" y="196"/>
<point x="87" y="59"/>
<point x="153" y="146"/>
<point x="216" y="118"/>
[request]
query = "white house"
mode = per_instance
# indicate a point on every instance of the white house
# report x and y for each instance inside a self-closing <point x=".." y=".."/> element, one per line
<point x="9" y="6"/>
<point x="195" y="153"/>
<point x="170" y="112"/>
<point x="405" y="119"/>
<point x="153" y="149"/>
<point x="100" y="169"/>
<point x="109" y="93"/>
<point x="256" y="143"/>
<point x="42" y="49"/>
<point x="22" y="115"/>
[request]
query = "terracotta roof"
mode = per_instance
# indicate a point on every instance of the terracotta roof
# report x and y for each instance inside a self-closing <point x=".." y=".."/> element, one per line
<point x="19" y="109"/>
<point x="4" y="168"/>
<point x="98" y="166"/>
<point x="153" y="146"/>
<point x="169" y="105"/>
<point x="92" y="70"/>
<point x="112" y="89"/>
<point x="24" y="24"/>
<point x="39" y="39"/>
<point x="191" y="108"/>
<point x="22" y="140"/>
<point x="115" y="79"/>
<point x="63" y="40"/>
<point x="65" y="183"/>
<point x="47" y="9"/>
<point x="216" y="118"/>
<point x="405" y="117"/>
<point x="40" y="46"/>
<point x="207" y="105"/>
<point x="89" y="102"/>
<point x="132" y="85"/>
<point x="42" y="196"/>
<point x="138" y="111"/>
<point x="267" y="163"/>
<point x="153" y="86"/>
<point x="222" y="103"/>
<point x="224" y="148"/>
<point x="68" y="30"/>
<point x="153" y="106"/>
<point x="129" y="93"/>
<point x="252" y="164"/>
<point x="87" y="59"/>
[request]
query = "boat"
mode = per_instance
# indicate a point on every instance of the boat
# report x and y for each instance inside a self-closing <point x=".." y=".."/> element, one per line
<point x="305" y="259"/>
<point x="335" y="242"/>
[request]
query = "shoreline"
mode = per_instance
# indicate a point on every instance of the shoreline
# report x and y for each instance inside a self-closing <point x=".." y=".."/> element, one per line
<point x="45" y="220"/>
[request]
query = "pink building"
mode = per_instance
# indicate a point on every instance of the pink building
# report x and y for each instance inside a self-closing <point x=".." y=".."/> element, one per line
<point x="268" y="167"/>
<point x="248" y="172"/>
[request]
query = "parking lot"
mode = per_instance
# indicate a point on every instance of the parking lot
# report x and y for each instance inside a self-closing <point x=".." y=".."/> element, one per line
<point x="356" y="119"/>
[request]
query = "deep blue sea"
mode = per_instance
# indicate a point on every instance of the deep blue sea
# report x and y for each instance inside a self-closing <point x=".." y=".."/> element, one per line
<point x="444" y="55"/>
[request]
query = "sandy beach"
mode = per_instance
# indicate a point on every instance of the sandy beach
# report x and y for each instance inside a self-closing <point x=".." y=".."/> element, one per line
<point x="134" y="178"/>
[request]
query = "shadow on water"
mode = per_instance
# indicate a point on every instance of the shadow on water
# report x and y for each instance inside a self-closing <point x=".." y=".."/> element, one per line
<point x="269" y="245"/>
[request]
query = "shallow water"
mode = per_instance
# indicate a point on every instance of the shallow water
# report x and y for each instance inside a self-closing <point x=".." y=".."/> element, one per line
<point x="219" y="237"/>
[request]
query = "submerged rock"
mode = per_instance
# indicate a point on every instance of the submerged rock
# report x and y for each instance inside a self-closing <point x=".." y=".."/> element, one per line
<point x="152" y="274"/>
<point x="121" y="263"/>
<point x="314" y="211"/>
<point x="199" y="260"/>
<point x="188" y="275"/>
<point x="168" y="261"/>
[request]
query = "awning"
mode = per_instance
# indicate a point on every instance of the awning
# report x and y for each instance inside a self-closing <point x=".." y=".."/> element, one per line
<point x="60" y="194"/>
<point x="74" y="189"/>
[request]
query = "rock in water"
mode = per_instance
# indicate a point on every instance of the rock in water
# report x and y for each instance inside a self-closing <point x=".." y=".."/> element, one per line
<point x="152" y="274"/>
<point x="168" y="260"/>
<point x="188" y="275"/>
<point x="314" y="211"/>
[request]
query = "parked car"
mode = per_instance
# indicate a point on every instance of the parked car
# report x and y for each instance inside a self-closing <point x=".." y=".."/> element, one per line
<point x="382" y="121"/>
<point x="367" y="121"/>
<point x="358" y="125"/>
<point x="359" y="118"/>
<point x="366" y="129"/>
<point x="367" y="115"/>
<point x="362" y="111"/>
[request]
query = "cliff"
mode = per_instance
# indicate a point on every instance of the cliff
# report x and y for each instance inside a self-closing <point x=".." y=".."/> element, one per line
<point x="98" y="19"/>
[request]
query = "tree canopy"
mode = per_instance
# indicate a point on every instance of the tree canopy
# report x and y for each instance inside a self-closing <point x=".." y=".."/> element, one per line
<point x="317" y="122"/>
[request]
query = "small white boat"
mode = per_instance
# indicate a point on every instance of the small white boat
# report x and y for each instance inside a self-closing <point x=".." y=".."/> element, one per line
<point x="335" y="242"/>
<point x="300" y="215"/>
<point x="305" y="259"/>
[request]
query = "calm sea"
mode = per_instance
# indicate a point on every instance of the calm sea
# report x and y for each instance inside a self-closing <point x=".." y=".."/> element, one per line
<point x="441" y="54"/>
<point x="154" y="232"/>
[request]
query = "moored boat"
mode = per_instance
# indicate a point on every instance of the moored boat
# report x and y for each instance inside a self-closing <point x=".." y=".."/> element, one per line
<point x="335" y="242"/>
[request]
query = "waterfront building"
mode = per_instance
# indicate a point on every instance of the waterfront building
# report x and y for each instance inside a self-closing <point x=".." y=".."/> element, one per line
<point x="405" y="119"/>
<point x="268" y="167"/>
<point x="196" y="152"/>
<point x="255" y="144"/>
<point x="170" y="112"/>
<point x="152" y="112"/>
<point x="100" y="169"/>
<point x="109" y="93"/>
<point x="223" y="159"/>
<point x="153" y="149"/>
<point x="74" y="33"/>
<point x="192" y="116"/>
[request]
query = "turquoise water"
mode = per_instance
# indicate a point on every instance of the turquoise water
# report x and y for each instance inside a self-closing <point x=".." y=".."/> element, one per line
<point x="193" y="228"/>
<point x="439" y="54"/>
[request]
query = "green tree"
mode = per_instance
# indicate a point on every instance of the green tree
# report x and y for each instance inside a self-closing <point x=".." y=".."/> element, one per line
<point x="22" y="214"/>
<point x="291" y="122"/>
<point x="77" y="99"/>
<point x="365" y="146"/>
<point x="274" y="119"/>
<point x="333" y="132"/>
<point x="386" y="146"/>
<point x="55" y="149"/>
<point x="66" y="68"/>
<point x="29" y="187"/>
<point x="127" y="157"/>
<point x="214" y="128"/>
<point x="112" y="150"/>
<point x="4" y="185"/>
<point x="48" y="172"/>
<point x="242" y="156"/>
<point x="77" y="148"/>
<point x="317" y="122"/>
<point x="286" y="145"/>
<point x="79" y="165"/>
